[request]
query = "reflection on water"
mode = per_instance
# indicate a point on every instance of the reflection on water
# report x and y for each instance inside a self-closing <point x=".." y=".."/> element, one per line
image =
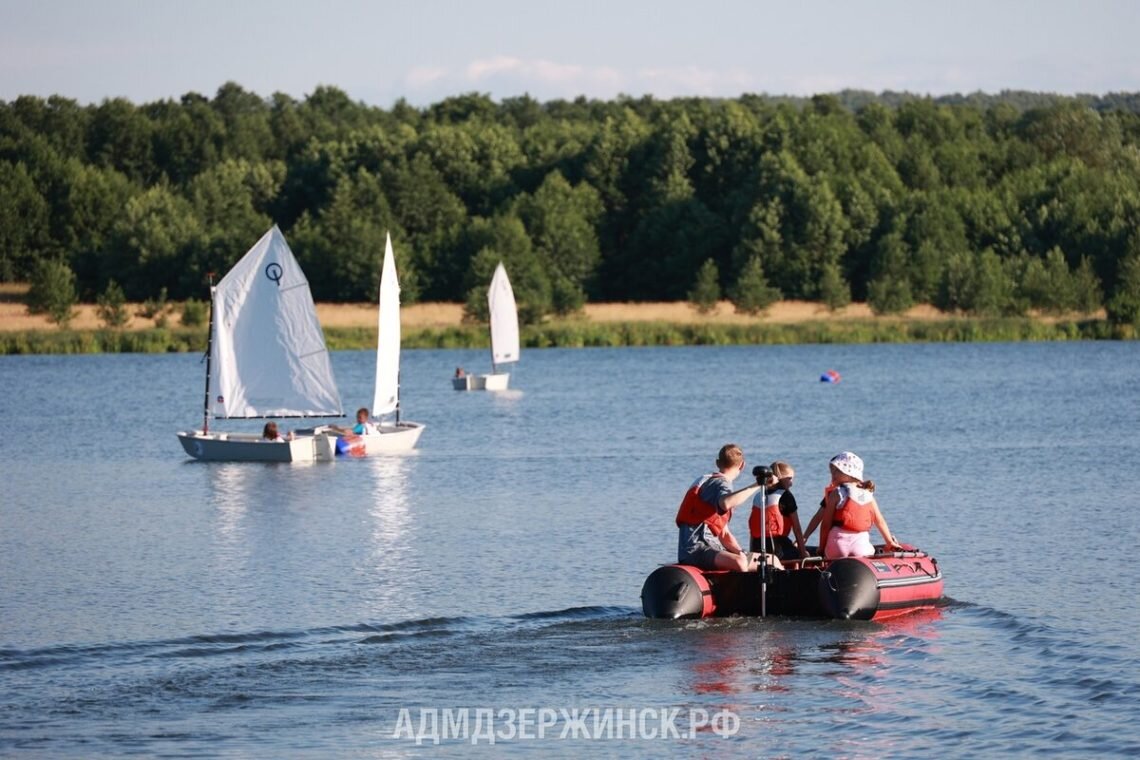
<point x="389" y="563"/>
<point x="735" y="657"/>
<point x="230" y="499"/>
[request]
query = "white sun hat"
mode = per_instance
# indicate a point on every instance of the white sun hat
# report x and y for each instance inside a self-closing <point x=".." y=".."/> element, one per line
<point x="848" y="464"/>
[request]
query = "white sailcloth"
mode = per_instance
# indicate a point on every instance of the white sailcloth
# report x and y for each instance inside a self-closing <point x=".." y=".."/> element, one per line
<point x="268" y="353"/>
<point x="504" y="318"/>
<point x="387" y="392"/>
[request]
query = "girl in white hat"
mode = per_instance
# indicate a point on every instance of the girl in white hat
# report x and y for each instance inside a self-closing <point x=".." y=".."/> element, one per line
<point x="849" y="511"/>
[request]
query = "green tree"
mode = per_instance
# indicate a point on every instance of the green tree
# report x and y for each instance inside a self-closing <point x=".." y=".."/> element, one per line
<point x="1087" y="293"/>
<point x="229" y="203"/>
<point x="1123" y="307"/>
<point x="52" y="291"/>
<point x="112" y="306"/>
<point x="434" y="218"/>
<point x="561" y="221"/>
<point x="504" y="239"/>
<point x="977" y="284"/>
<point x="188" y="137"/>
<point x="23" y="222"/>
<point x="706" y="290"/>
<point x="194" y="313"/>
<point x="121" y="138"/>
<point x="85" y="219"/>
<point x="752" y="294"/>
<point x="812" y="226"/>
<point x="834" y="291"/>
<point x="889" y="290"/>
<point x="341" y="249"/>
<point x="152" y="246"/>
<point x="1048" y="284"/>
<point x="245" y="116"/>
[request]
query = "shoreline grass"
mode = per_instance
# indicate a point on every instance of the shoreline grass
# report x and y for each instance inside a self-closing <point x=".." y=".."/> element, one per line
<point x="577" y="334"/>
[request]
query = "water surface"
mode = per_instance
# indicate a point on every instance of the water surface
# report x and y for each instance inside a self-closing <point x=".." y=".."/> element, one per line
<point x="156" y="605"/>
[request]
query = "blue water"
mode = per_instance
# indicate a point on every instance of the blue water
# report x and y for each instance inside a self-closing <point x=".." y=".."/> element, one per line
<point x="154" y="605"/>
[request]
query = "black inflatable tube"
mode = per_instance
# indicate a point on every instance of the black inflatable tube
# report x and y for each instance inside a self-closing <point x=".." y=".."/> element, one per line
<point x="848" y="590"/>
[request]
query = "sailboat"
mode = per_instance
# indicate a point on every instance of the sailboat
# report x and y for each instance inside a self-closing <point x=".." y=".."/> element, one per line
<point x="504" y="337"/>
<point x="266" y="359"/>
<point x="398" y="435"/>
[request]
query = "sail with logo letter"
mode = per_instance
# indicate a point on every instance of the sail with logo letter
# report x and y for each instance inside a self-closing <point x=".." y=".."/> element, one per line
<point x="267" y="358"/>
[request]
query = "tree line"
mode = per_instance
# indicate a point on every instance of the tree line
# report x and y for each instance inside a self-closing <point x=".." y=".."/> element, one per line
<point x="984" y="204"/>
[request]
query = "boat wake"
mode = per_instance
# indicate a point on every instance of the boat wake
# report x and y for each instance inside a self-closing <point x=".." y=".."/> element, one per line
<point x="252" y="642"/>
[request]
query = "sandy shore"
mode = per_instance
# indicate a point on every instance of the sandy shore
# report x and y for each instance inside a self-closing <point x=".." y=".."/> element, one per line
<point x="14" y="315"/>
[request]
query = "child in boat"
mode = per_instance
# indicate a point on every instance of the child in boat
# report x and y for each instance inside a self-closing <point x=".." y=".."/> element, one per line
<point x="363" y="426"/>
<point x="704" y="539"/>
<point x="270" y="433"/>
<point x="849" y="511"/>
<point x="780" y="513"/>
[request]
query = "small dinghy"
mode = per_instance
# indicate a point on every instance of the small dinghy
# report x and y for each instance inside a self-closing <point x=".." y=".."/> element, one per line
<point x="882" y="586"/>
<point x="504" y="338"/>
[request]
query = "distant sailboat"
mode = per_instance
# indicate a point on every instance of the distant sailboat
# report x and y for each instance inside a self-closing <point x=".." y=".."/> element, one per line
<point x="398" y="435"/>
<point x="266" y="359"/>
<point x="504" y="337"/>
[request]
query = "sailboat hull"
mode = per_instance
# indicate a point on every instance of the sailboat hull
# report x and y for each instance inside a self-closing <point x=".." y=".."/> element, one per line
<point x="498" y="381"/>
<point x="247" y="447"/>
<point x="401" y="436"/>
<point x="468" y="383"/>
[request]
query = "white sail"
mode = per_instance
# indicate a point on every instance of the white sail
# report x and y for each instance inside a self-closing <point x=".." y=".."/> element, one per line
<point x="504" y="318"/>
<point x="387" y="393"/>
<point x="268" y="356"/>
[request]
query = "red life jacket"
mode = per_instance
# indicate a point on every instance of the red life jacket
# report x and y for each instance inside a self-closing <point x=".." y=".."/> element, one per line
<point x="695" y="510"/>
<point x="854" y="516"/>
<point x="775" y="525"/>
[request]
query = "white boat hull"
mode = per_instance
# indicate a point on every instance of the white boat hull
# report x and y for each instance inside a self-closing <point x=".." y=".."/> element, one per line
<point x="496" y="382"/>
<point x="493" y="382"/>
<point x="249" y="447"/>
<point x="401" y="436"/>
<point x="393" y="436"/>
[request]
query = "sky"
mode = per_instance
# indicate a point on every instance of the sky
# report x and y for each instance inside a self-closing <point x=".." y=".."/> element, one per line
<point x="426" y="50"/>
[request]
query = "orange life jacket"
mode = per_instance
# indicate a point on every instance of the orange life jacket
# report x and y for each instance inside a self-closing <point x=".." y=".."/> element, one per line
<point x="695" y="510"/>
<point x="853" y="515"/>
<point x="775" y="525"/>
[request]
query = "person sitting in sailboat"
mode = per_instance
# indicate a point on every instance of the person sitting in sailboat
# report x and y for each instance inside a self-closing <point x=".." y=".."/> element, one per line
<point x="704" y="539"/>
<point x="270" y="433"/>
<point x="363" y="426"/>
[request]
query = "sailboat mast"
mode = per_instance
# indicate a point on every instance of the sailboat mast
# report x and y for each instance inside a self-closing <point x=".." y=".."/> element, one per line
<point x="491" y="327"/>
<point x="209" y="353"/>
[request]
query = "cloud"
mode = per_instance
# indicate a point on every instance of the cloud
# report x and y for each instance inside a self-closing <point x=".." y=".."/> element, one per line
<point x="423" y="76"/>
<point x="694" y="80"/>
<point x="508" y="76"/>
<point x="542" y="75"/>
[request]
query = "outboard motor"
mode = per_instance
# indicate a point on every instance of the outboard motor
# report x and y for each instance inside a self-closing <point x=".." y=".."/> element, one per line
<point x="848" y="590"/>
<point x="677" y="591"/>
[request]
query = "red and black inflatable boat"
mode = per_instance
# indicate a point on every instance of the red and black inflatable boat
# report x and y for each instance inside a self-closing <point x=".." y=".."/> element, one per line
<point x="853" y="588"/>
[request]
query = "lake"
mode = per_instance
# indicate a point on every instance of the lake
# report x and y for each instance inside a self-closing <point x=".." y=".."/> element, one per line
<point x="485" y="588"/>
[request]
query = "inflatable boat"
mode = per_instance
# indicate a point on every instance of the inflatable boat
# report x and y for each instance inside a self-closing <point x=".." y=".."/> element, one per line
<point x="853" y="588"/>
